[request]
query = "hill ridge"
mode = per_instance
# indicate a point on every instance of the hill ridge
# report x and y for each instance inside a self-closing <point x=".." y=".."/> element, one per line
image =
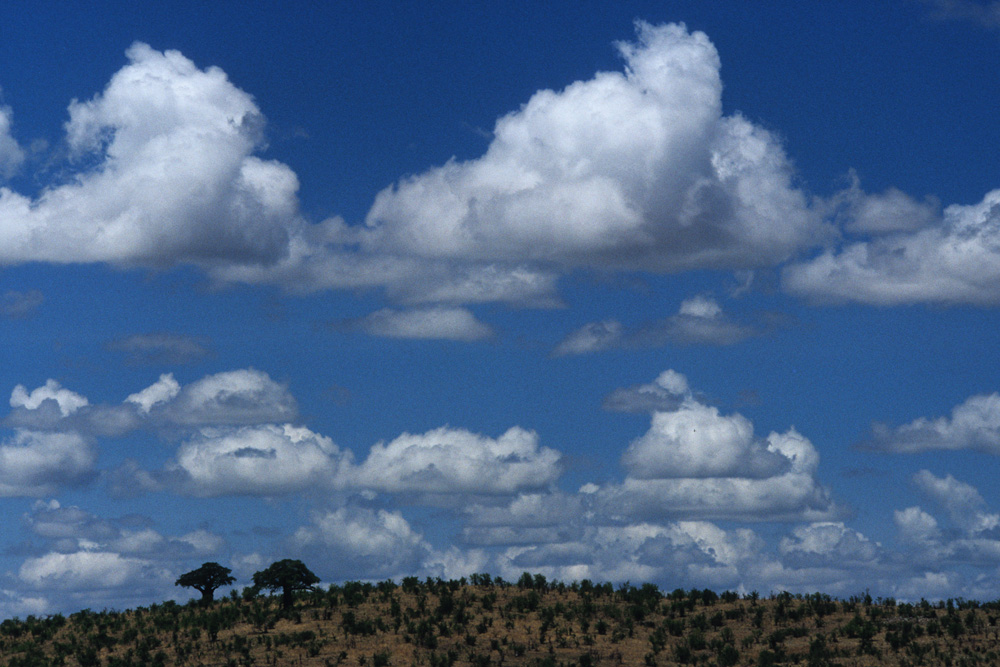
<point x="483" y="621"/>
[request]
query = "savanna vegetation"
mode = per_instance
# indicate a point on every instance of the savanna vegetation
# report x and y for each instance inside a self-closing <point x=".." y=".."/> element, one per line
<point x="483" y="621"/>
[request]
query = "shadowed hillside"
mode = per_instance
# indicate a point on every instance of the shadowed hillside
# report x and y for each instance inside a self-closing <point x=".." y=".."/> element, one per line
<point x="484" y="621"/>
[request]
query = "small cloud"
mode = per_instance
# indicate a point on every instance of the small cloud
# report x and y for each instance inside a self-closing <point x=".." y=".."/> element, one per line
<point x="665" y="393"/>
<point x="20" y="305"/>
<point x="11" y="154"/>
<point x="244" y="396"/>
<point x="983" y="14"/>
<point x="130" y="480"/>
<point x="963" y="502"/>
<point x="161" y="349"/>
<point x="591" y="337"/>
<point x="161" y="391"/>
<point x="439" y="322"/>
<point x="337" y="394"/>
<point x="699" y="321"/>
<point x="828" y="543"/>
<point x="67" y="401"/>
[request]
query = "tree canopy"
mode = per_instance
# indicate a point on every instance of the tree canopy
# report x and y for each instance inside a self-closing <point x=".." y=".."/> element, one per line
<point x="206" y="579"/>
<point x="288" y="576"/>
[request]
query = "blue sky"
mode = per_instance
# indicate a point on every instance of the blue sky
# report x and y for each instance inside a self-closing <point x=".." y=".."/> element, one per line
<point x="699" y="293"/>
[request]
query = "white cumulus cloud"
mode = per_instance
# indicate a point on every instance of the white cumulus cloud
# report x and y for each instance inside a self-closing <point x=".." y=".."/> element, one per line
<point x="974" y="424"/>
<point x="161" y="391"/>
<point x="916" y="526"/>
<point x="667" y="392"/>
<point x="828" y="543"/>
<point x="175" y="178"/>
<point x="245" y="396"/>
<point x="963" y="502"/>
<point x="695" y="463"/>
<point x="38" y="464"/>
<point x="628" y="170"/>
<point x="262" y="460"/>
<point x="447" y="461"/>
<point x="68" y="401"/>
<point x="955" y="260"/>
<point x="696" y="441"/>
<point x="633" y="169"/>
<point x="94" y="579"/>
<point x="379" y="542"/>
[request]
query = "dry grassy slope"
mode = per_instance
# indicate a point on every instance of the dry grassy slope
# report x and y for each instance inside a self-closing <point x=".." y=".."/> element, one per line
<point x="435" y="623"/>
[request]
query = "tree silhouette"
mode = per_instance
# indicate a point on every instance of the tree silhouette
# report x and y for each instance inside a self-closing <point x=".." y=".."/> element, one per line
<point x="288" y="576"/>
<point x="206" y="579"/>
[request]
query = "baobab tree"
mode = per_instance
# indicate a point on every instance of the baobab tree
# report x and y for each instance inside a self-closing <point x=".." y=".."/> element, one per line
<point x="288" y="576"/>
<point x="206" y="579"/>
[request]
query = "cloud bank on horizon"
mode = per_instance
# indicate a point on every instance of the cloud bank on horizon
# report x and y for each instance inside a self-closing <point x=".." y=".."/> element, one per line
<point x="694" y="466"/>
<point x="636" y="171"/>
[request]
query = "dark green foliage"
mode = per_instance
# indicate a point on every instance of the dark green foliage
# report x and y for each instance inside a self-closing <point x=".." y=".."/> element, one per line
<point x="820" y="654"/>
<point x="206" y="580"/>
<point x="727" y="655"/>
<point x="767" y="658"/>
<point x="289" y="576"/>
<point x="480" y="579"/>
<point x="352" y="626"/>
<point x="87" y="657"/>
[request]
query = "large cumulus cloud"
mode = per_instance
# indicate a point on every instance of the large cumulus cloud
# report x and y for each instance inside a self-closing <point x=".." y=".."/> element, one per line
<point x="695" y="463"/>
<point x="636" y="169"/>
<point x="633" y="169"/>
<point x="630" y="170"/>
<point x="175" y="179"/>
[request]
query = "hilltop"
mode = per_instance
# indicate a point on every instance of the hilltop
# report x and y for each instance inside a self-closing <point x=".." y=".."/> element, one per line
<point x="485" y="621"/>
